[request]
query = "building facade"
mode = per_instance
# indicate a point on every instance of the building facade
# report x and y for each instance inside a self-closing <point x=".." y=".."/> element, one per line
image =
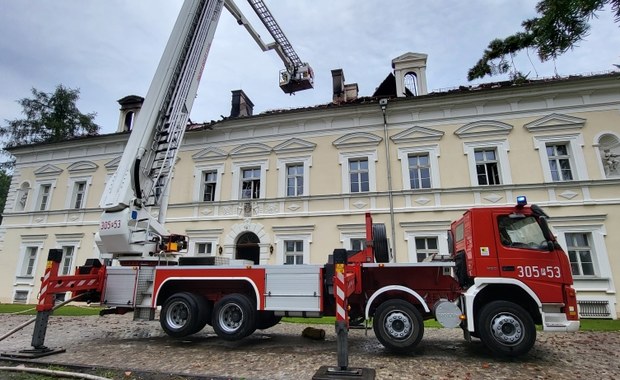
<point x="288" y="187"/>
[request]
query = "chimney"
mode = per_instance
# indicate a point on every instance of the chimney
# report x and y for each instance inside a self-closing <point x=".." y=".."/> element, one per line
<point x="350" y="91"/>
<point x="241" y="104"/>
<point x="130" y="107"/>
<point x="338" y="84"/>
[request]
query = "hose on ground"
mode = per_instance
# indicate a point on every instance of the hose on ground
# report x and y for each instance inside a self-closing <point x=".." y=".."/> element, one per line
<point x="55" y="373"/>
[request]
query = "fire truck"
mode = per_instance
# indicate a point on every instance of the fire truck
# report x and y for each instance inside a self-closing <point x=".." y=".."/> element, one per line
<point x="505" y="272"/>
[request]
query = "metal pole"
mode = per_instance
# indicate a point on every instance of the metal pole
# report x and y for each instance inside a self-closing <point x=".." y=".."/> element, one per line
<point x="342" y="323"/>
<point x="383" y="103"/>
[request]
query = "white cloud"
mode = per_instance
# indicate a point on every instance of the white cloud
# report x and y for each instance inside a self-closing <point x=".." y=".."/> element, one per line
<point x="111" y="48"/>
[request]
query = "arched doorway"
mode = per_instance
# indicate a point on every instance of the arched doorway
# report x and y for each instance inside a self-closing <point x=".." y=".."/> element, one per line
<point x="247" y="247"/>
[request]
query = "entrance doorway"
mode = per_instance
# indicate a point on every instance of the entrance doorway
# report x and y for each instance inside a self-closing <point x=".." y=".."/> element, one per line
<point x="247" y="248"/>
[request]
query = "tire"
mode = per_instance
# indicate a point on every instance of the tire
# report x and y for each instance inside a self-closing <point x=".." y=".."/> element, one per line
<point x="506" y="328"/>
<point x="182" y="315"/>
<point x="204" y="313"/>
<point x="234" y="317"/>
<point x="398" y="325"/>
<point x="381" y="249"/>
<point x="266" y="319"/>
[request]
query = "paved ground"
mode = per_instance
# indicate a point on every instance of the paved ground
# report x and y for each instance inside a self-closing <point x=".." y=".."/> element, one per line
<point x="282" y="353"/>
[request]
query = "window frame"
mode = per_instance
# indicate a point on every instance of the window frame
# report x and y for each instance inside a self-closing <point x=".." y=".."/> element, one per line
<point x="199" y="172"/>
<point x="574" y="144"/>
<point x="418" y="230"/>
<point x="282" y="237"/>
<point x="589" y="248"/>
<point x="72" y="192"/>
<point x="237" y="183"/>
<point x="501" y="148"/>
<point x="40" y="185"/>
<point x="344" y="159"/>
<point x="433" y="157"/>
<point x="282" y="167"/>
<point x="600" y="260"/>
<point x="295" y="253"/>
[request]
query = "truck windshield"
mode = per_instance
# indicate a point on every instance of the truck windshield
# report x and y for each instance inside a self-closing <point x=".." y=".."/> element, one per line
<point x="521" y="232"/>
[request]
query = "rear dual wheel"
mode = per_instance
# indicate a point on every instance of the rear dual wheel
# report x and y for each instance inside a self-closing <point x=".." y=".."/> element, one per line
<point x="184" y="314"/>
<point x="234" y="317"/>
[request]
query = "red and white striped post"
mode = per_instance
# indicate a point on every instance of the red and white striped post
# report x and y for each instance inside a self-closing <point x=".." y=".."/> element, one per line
<point x="342" y="313"/>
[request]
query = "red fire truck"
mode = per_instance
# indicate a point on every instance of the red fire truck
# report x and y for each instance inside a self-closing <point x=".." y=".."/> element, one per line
<point x="505" y="274"/>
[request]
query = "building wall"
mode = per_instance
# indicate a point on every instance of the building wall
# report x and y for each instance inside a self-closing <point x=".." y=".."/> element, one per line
<point x="517" y="123"/>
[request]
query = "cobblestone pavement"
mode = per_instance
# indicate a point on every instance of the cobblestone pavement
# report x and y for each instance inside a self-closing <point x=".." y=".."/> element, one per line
<point x="282" y="353"/>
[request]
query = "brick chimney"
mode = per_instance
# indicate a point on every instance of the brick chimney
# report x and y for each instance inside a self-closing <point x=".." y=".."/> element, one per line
<point x="241" y="104"/>
<point x="342" y="92"/>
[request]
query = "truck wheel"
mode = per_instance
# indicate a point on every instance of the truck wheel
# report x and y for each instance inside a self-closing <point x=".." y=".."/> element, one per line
<point x="181" y="315"/>
<point x="398" y="325"/>
<point x="506" y="328"/>
<point x="266" y="319"/>
<point x="234" y="317"/>
<point x="204" y="313"/>
<point x="382" y="251"/>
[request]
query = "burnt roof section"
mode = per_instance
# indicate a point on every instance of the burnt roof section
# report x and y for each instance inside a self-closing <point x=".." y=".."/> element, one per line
<point x="387" y="88"/>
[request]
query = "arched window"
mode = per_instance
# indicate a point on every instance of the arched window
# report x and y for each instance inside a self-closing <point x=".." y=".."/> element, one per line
<point x="129" y="119"/>
<point x="609" y="147"/>
<point x="247" y="247"/>
<point x="411" y="83"/>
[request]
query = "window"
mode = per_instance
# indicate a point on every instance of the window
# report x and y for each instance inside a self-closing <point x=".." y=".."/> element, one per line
<point x="250" y="183"/>
<point x="293" y="252"/>
<point x="488" y="162"/>
<point x="521" y="233"/>
<point x="561" y="157"/>
<point x="67" y="260"/>
<point x="425" y="247"/>
<point x="28" y="263"/>
<point x="44" y="196"/>
<point x="79" y="193"/>
<point x="359" y="175"/>
<point x="21" y="296"/>
<point x="209" y="182"/>
<point x="559" y="162"/>
<point x="204" y="249"/>
<point x="419" y="171"/>
<point x="357" y="244"/>
<point x="487" y="168"/>
<point x="294" y="180"/>
<point x="580" y="254"/>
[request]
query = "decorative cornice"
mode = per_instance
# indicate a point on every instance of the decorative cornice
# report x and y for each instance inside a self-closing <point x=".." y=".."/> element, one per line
<point x="483" y="128"/>
<point x="210" y="153"/>
<point x="294" y="145"/>
<point x="82" y="166"/>
<point x="417" y="134"/>
<point x="357" y="139"/>
<point x="251" y="149"/>
<point x="555" y="122"/>
<point x="47" y="170"/>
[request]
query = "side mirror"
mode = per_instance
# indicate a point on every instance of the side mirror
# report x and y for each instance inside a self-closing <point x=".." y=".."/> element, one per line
<point x="550" y="246"/>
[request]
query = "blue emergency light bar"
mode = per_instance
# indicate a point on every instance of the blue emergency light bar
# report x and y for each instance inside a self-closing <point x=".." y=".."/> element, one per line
<point x="521" y="200"/>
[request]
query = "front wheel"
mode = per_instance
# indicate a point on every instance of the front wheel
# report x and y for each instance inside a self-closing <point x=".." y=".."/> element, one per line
<point x="398" y="325"/>
<point x="506" y="328"/>
<point x="234" y="317"/>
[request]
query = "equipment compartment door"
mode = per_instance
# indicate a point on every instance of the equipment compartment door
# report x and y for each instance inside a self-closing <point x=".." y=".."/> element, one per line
<point x="293" y="288"/>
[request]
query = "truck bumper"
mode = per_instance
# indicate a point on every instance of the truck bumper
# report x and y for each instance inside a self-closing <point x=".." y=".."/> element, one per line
<point x="558" y="322"/>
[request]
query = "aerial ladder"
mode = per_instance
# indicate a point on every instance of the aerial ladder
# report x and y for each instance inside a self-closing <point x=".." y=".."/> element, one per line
<point x="128" y="230"/>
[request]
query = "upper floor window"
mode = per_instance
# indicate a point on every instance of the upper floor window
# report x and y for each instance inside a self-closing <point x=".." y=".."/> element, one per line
<point x="559" y="162"/>
<point x="488" y="162"/>
<point x="250" y="183"/>
<point x="45" y="191"/>
<point x="419" y="171"/>
<point x="209" y="184"/>
<point x="580" y="254"/>
<point x="487" y="167"/>
<point x="359" y="175"/>
<point x="294" y="180"/>
<point x="561" y="157"/>
<point x="79" y="193"/>
<point x="293" y="252"/>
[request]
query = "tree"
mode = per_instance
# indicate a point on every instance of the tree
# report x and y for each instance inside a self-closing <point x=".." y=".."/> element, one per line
<point x="5" y="183"/>
<point x="561" y="24"/>
<point x="50" y="117"/>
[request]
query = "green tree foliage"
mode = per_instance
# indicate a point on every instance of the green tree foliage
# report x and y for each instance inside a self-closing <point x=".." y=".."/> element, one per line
<point x="560" y="25"/>
<point x="49" y="117"/>
<point x="5" y="183"/>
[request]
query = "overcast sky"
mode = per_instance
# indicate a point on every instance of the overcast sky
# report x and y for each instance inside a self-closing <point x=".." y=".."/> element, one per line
<point x="110" y="48"/>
